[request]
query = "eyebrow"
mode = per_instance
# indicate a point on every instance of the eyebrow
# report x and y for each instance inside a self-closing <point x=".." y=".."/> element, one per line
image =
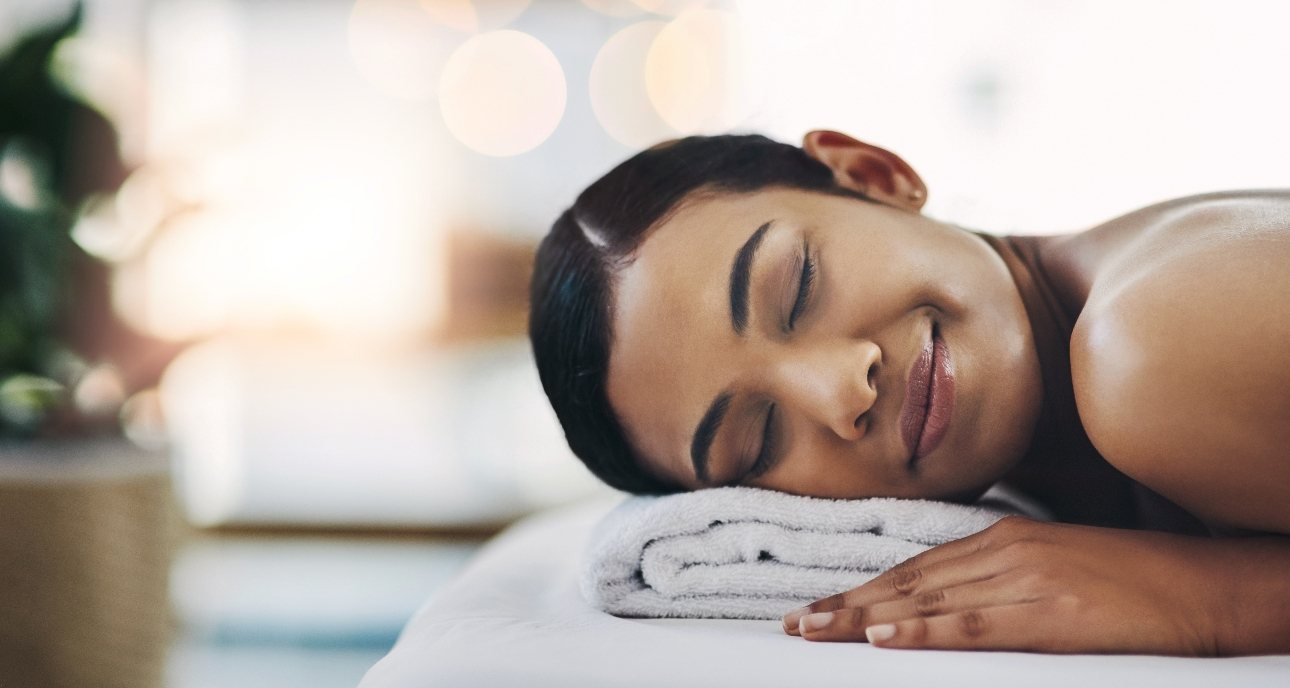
<point x="740" y="278"/>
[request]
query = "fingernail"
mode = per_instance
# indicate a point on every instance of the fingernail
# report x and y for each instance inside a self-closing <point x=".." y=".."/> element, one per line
<point x="816" y="622"/>
<point x="880" y="632"/>
<point x="792" y="618"/>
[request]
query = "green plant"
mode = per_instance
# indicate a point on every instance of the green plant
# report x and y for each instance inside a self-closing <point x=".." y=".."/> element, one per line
<point x="61" y="345"/>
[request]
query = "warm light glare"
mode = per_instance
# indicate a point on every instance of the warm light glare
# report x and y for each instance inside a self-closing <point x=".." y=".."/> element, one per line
<point x="400" y="48"/>
<point x="618" y="93"/>
<point x="299" y="206"/>
<point x="502" y="93"/>
<point x="326" y="254"/>
<point x="694" y="72"/>
<point x="188" y="293"/>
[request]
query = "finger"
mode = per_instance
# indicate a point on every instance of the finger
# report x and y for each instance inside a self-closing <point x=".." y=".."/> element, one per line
<point x="905" y="578"/>
<point x="1009" y="627"/>
<point x="915" y="576"/>
<point x="850" y="624"/>
<point x="908" y="578"/>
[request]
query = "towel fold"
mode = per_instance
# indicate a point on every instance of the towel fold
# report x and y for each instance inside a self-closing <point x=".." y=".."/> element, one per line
<point x="748" y="553"/>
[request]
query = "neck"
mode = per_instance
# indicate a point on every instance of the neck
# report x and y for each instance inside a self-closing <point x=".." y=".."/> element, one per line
<point x="1061" y="467"/>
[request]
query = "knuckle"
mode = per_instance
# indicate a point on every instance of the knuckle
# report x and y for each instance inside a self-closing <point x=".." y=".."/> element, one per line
<point x="1019" y="552"/>
<point x="1030" y="578"/>
<point x="915" y="630"/>
<point x="1020" y="523"/>
<point x="1006" y="525"/>
<point x="904" y="578"/>
<point x="1045" y="577"/>
<point x="856" y="621"/>
<point x="972" y="623"/>
<point x="1009" y="528"/>
<point x="829" y="604"/>
<point x="1068" y="604"/>
<point x="912" y="633"/>
<point x="929" y="604"/>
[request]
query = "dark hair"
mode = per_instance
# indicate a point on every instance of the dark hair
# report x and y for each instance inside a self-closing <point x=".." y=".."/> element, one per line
<point x="571" y="297"/>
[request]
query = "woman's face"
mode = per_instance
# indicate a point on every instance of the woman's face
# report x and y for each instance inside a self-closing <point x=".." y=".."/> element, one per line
<point x="841" y="297"/>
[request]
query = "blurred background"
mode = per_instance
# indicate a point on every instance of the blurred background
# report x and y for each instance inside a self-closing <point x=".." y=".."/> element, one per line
<point x="263" y="264"/>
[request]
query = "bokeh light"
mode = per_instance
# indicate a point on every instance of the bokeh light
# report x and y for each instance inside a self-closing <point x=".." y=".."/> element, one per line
<point x="455" y="14"/>
<point x="143" y="420"/>
<point x="400" y="47"/>
<point x="18" y="177"/>
<point x="502" y="93"/>
<point x="618" y="93"/>
<point x="114" y="228"/>
<point x="471" y="17"/>
<point x="694" y="72"/>
<point x="615" y="8"/>
<point x="668" y="7"/>
<point x="100" y="391"/>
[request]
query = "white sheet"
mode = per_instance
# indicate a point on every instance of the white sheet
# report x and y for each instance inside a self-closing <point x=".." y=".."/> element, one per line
<point x="514" y="617"/>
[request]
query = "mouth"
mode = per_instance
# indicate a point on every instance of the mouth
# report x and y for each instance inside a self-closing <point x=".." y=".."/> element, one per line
<point x="929" y="398"/>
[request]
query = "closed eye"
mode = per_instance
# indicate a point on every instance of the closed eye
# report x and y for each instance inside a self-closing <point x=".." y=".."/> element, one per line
<point x="805" y="285"/>
<point x="766" y="456"/>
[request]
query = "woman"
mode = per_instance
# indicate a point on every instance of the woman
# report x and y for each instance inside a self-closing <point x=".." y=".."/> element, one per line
<point x="733" y="310"/>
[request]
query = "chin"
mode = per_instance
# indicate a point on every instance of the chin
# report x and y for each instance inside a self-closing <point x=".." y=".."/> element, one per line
<point x="970" y="488"/>
<point x="967" y="496"/>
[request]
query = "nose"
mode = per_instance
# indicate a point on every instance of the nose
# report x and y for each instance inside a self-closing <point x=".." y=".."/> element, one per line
<point x="832" y="382"/>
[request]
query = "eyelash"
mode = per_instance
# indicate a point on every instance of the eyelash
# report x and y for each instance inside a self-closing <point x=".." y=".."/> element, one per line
<point x="804" y="286"/>
<point x="763" y="462"/>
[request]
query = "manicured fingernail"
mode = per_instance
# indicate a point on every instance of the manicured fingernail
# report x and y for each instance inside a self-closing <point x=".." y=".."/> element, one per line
<point x="880" y="632"/>
<point x="792" y="618"/>
<point x="816" y="622"/>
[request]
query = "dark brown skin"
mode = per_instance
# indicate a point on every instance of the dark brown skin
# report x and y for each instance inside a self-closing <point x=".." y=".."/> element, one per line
<point x="1179" y="364"/>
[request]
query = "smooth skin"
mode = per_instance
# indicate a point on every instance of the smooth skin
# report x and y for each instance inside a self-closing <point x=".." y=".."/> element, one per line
<point x="1178" y="360"/>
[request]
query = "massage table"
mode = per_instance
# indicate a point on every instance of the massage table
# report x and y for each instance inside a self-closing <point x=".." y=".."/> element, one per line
<point x="515" y="617"/>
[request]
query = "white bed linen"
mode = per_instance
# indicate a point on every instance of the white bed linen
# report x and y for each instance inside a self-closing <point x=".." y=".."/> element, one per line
<point x="514" y="617"/>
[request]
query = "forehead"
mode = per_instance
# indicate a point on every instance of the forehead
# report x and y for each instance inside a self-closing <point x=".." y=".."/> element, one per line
<point x="671" y="320"/>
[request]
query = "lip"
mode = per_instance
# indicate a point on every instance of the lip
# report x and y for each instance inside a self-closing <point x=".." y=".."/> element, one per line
<point x="929" y="398"/>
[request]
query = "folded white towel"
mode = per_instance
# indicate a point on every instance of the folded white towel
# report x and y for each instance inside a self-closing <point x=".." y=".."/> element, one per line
<point x="747" y="553"/>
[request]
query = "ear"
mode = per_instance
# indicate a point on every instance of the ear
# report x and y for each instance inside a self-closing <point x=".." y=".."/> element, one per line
<point x="870" y="170"/>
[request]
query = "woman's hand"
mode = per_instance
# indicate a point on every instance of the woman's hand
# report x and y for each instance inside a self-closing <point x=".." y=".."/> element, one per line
<point x="1046" y="587"/>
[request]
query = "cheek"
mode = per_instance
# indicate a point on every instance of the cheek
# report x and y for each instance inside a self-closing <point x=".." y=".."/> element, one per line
<point x="998" y="389"/>
<point x="860" y="297"/>
<point x="820" y="468"/>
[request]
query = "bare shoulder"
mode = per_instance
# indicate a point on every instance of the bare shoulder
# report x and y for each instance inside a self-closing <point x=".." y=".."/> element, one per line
<point x="1179" y="359"/>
